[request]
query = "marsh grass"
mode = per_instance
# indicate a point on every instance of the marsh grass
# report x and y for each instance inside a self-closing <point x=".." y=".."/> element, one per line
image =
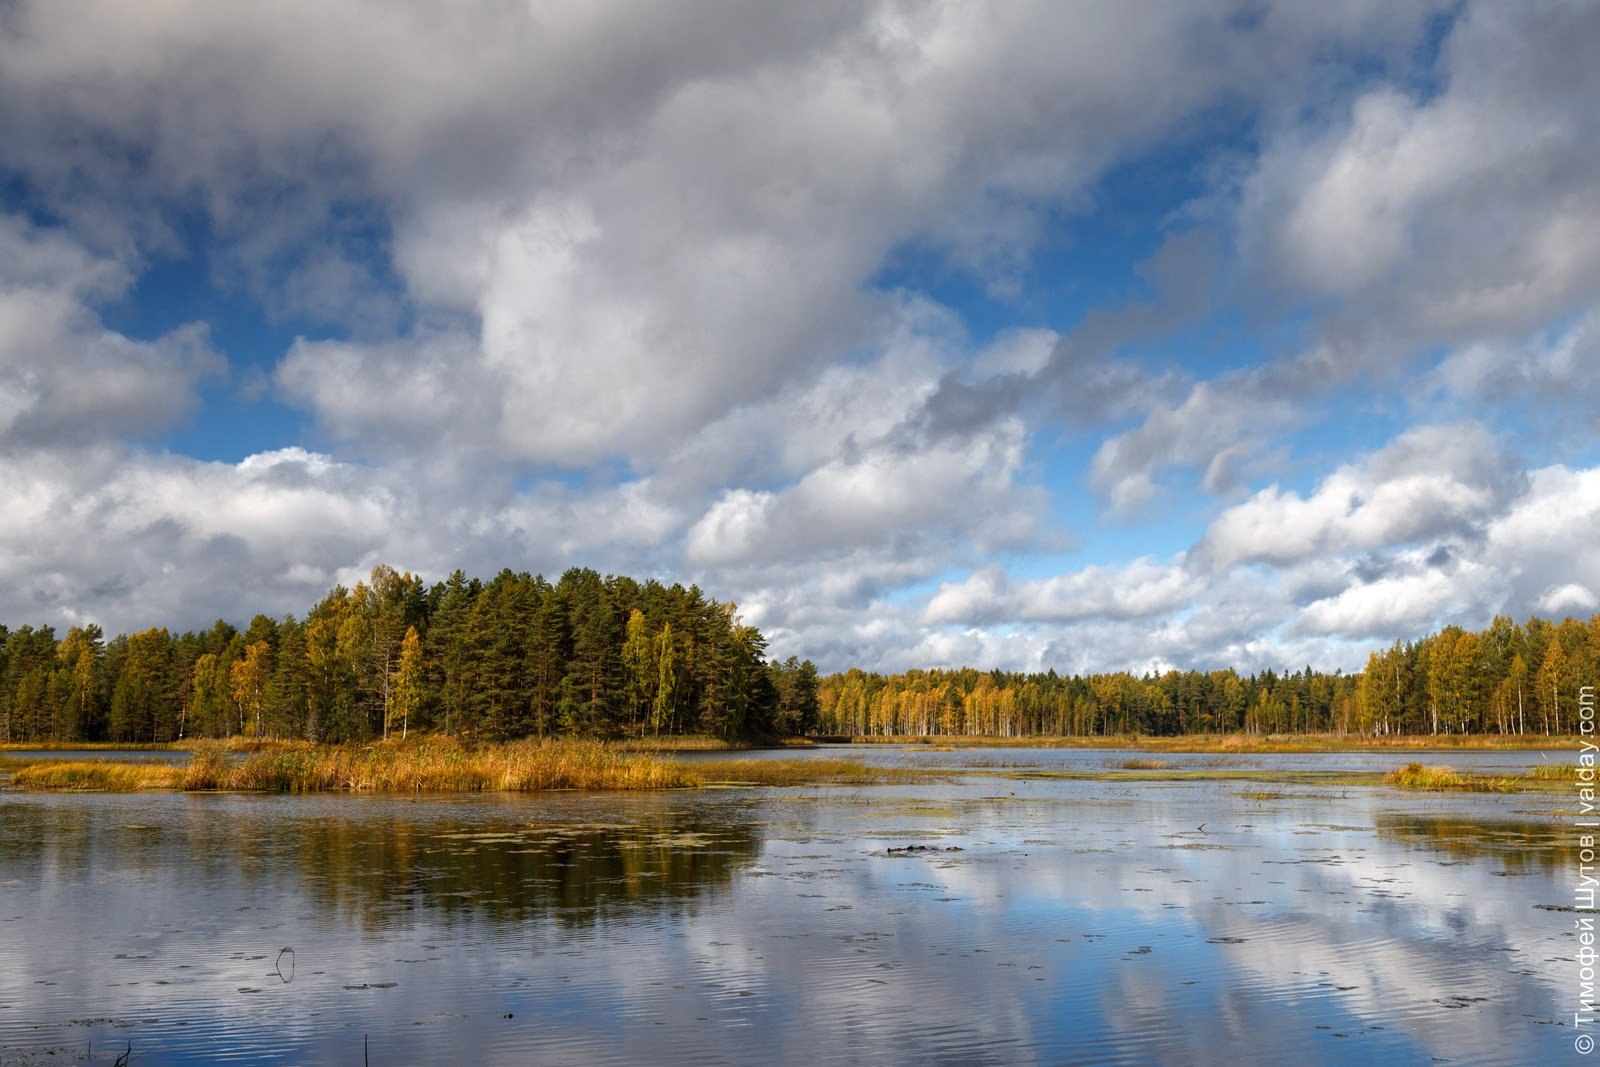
<point x="1241" y="742"/>
<point x="435" y="765"/>
<point x="439" y="765"/>
<point x="812" y="771"/>
<point x="1553" y="772"/>
<point x="1140" y="763"/>
<point x="96" y="776"/>
<point x="1447" y="779"/>
<point x="682" y="743"/>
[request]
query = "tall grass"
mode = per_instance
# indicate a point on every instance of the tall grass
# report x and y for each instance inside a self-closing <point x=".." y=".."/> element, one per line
<point x="437" y="765"/>
<point x="1140" y="763"/>
<point x="96" y="776"/>
<point x="1553" y="772"/>
<point x="440" y="765"/>
<point x="679" y="743"/>
<point x="1441" y="779"/>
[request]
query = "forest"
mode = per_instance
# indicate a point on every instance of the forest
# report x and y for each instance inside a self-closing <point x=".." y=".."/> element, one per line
<point x="518" y="656"/>
<point x="1507" y="679"/>
<point x="512" y="657"/>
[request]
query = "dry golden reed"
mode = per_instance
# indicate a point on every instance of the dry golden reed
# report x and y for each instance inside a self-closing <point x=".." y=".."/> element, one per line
<point x="1447" y="779"/>
<point x="441" y="765"/>
<point x="96" y="776"/>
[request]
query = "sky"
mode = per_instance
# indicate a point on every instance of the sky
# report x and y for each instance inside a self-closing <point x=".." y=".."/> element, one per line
<point x="1058" y="335"/>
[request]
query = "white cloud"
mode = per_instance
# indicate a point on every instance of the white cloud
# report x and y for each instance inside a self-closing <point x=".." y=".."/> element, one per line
<point x="1561" y="599"/>
<point x="1442" y="215"/>
<point x="602" y="284"/>
<point x="1430" y="482"/>
<point x="1218" y="426"/>
<point x="883" y="494"/>
<point x="1141" y="588"/>
<point x="65" y="377"/>
<point x="1407" y="603"/>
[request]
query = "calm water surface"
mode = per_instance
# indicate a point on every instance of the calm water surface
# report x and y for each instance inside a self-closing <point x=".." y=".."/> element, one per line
<point x="1045" y="921"/>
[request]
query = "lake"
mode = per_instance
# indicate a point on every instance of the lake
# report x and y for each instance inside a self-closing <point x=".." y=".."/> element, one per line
<point x="1017" y="920"/>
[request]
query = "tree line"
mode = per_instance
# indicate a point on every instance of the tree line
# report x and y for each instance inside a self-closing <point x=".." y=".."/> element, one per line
<point x="518" y="656"/>
<point x="513" y="657"/>
<point x="1506" y="679"/>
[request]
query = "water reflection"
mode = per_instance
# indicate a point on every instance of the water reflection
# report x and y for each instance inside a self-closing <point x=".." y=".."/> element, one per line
<point x="1081" y="922"/>
<point x="1520" y="846"/>
<point x="577" y="873"/>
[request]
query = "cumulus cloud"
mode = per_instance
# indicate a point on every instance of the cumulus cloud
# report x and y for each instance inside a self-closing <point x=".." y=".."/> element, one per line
<point x="612" y="283"/>
<point x="653" y="214"/>
<point x="1447" y="214"/>
<point x="1431" y="482"/>
<point x="1550" y="372"/>
<point x="65" y="377"/>
<point x="1405" y="603"/>
<point x="179" y="542"/>
<point x="1219" y="426"/>
<point x="884" y="495"/>
<point x="1138" y="589"/>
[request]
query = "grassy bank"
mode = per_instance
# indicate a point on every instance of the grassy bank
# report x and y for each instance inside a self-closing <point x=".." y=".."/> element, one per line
<point x="1264" y="743"/>
<point x="90" y="746"/>
<point x="96" y="776"/>
<point x="680" y="743"/>
<point x="425" y="767"/>
<point x="436" y="766"/>
<point x="439" y="765"/>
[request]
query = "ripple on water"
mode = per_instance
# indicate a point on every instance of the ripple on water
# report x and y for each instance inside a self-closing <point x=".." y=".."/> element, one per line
<point x="722" y="928"/>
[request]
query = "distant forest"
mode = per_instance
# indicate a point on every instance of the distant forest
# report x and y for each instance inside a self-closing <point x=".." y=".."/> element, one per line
<point x="509" y="658"/>
<point x="1507" y="679"/>
<point x="518" y="656"/>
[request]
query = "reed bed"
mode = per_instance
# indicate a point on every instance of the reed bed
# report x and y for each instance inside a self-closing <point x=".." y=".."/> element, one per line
<point x="1140" y="763"/>
<point x="680" y="743"/>
<point x="442" y="766"/>
<point x="432" y="766"/>
<point x="1446" y="779"/>
<point x="96" y="776"/>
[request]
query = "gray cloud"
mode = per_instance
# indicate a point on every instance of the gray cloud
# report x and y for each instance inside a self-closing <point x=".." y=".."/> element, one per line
<point x="64" y="377"/>
<point x="594" y="282"/>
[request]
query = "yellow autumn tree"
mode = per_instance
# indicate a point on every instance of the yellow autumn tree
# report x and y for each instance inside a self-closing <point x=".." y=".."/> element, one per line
<point x="405" y="689"/>
<point x="250" y="674"/>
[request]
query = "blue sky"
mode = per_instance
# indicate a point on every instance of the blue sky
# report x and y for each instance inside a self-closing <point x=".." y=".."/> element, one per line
<point x="1043" y="335"/>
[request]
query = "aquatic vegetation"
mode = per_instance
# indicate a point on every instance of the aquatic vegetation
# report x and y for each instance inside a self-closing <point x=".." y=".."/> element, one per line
<point x="440" y="765"/>
<point x="680" y="743"/>
<point x="1263" y="743"/>
<point x="436" y="765"/>
<point x="1141" y="763"/>
<point x="445" y="766"/>
<point x="1553" y="772"/>
<point x="1439" y="779"/>
<point x="815" y="771"/>
<point x="86" y="776"/>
